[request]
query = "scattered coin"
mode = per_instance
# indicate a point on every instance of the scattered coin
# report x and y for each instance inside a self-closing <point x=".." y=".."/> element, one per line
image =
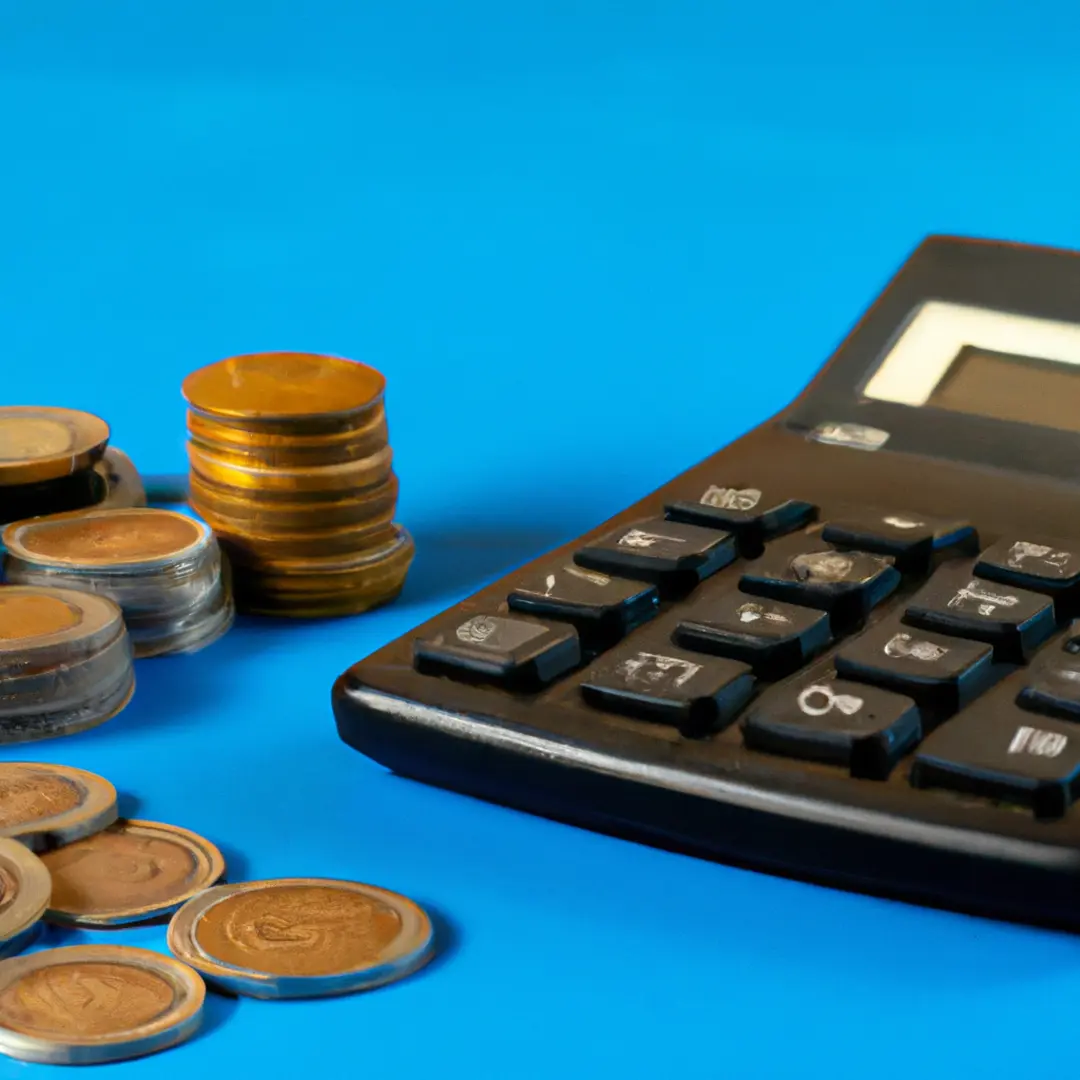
<point x="123" y="487"/>
<point x="44" y="806"/>
<point x="301" y="937"/>
<point x="89" y="1004"/>
<point x="39" y="444"/>
<point x="133" y="871"/>
<point x="65" y="662"/>
<point x="24" y="894"/>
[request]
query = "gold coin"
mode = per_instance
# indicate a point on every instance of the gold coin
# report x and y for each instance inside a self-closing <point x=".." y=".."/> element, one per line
<point x="105" y="538"/>
<point x="237" y="512"/>
<point x="283" y="385"/>
<point x="298" y="432"/>
<point x="24" y="892"/>
<point x="328" y="480"/>
<point x="39" y="444"/>
<point x="281" y="552"/>
<point x="301" y="937"/>
<point x="132" y="871"/>
<point x="45" y="805"/>
<point x="88" y="1004"/>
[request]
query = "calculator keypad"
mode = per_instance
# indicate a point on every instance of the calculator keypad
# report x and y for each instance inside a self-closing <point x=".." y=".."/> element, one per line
<point x="952" y="688"/>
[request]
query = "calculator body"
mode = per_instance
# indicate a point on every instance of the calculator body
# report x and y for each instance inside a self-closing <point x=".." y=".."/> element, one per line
<point x="948" y="401"/>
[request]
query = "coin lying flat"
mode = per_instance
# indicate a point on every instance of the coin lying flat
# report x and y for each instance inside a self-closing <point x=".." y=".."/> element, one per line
<point x="301" y="937"/>
<point x="133" y="871"/>
<point x="88" y="1004"/>
<point x="44" y="444"/>
<point x="24" y="894"/>
<point x="44" y="806"/>
<point x="283" y="385"/>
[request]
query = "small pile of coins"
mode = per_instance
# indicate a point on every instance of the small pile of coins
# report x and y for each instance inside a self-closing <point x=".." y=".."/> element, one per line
<point x="53" y="460"/>
<point x="283" y="938"/>
<point x="65" y="662"/>
<point x="292" y="469"/>
<point x="163" y="569"/>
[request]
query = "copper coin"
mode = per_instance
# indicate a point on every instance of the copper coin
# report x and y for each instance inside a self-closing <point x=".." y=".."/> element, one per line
<point x="44" y="444"/>
<point x="88" y="1004"/>
<point x="45" y="805"/>
<point x="132" y="871"/>
<point x="283" y="385"/>
<point x="106" y="538"/>
<point x="301" y="937"/>
<point x="330" y="481"/>
<point x="24" y="894"/>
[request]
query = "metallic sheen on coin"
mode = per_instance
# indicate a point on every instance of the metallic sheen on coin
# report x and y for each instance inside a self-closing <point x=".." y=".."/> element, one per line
<point x="133" y="871"/>
<point x="24" y="894"/>
<point x="44" y="806"/>
<point x="88" y="1004"/>
<point x="301" y="937"/>
<point x="43" y="444"/>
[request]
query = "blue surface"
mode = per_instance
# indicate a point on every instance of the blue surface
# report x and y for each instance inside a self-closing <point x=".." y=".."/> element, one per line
<point x="588" y="245"/>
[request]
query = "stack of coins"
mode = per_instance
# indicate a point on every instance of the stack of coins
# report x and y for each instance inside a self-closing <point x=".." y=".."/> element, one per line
<point x="52" y="460"/>
<point x="292" y="469"/>
<point x="164" y="569"/>
<point x="65" y="662"/>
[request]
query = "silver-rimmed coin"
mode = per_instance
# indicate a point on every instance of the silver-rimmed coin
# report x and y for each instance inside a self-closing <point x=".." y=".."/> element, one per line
<point x="24" y="895"/>
<point x="133" y="871"/>
<point x="301" y="937"/>
<point x="44" y="806"/>
<point x="88" y="1004"/>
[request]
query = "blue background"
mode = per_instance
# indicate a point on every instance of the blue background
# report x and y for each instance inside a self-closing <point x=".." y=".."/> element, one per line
<point x="588" y="244"/>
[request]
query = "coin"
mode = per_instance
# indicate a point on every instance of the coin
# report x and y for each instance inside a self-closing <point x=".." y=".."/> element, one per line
<point x="326" y="481"/>
<point x="283" y="385"/>
<point x="123" y="485"/>
<point x="301" y="937"/>
<point x="133" y="871"/>
<point x="44" y="805"/>
<point x="88" y="1004"/>
<point x="24" y="894"/>
<point x="39" y="444"/>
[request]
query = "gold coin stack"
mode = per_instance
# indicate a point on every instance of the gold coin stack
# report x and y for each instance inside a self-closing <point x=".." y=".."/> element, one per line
<point x="292" y="469"/>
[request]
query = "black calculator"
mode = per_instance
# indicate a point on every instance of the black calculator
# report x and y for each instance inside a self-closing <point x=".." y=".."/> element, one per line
<point x="845" y="647"/>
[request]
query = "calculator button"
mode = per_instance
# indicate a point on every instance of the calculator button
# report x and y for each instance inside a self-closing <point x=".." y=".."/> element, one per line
<point x="910" y="539"/>
<point x="775" y="639"/>
<point x="842" y="723"/>
<point x="1054" y="686"/>
<point x="673" y="555"/>
<point x="847" y="584"/>
<point x="1042" y="565"/>
<point x="696" y="694"/>
<point x="604" y="609"/>
<point x="746" y="511"/>
<point x="1002" y="752"/>
<point x="1014" y="621"/>
<point x="519" y="652"/>
<point x="942" y="674"/>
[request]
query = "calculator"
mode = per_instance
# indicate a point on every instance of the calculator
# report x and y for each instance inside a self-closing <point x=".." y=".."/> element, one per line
<point x="845" y="647"/>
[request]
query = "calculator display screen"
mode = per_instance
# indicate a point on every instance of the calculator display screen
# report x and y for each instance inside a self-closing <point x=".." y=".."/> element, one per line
<point x="990" y="363"/>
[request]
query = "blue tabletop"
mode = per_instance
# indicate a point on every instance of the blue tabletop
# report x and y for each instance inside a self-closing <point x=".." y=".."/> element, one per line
<point x="588" y="245"/>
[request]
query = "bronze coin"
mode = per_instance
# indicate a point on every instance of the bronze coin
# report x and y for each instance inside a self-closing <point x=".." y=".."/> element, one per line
<point x="39" y="444"/>
<point x="301" y="936"/>
<point x="283" y="385"/>
<point x="45" y="805"/>
<point x="88" y="1004"/>
<point x="132" y="871"/>
<point x="35" y="613"/>
<point x="104" y="538"/>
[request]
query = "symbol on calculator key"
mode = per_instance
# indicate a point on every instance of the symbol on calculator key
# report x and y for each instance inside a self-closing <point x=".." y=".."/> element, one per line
<point x="731" y="498"/>
<point x="587" y="575"/>
<point x="1022" y="550"/>
<point x="986" y="603"/>
<point x="822" y="566"/>
<point x="817" y="700"/>
<point x="902" y="522"/>
<point x="902" y="645"/>
<point x="1029" y="740"/>
<point x="477" y="630"/>
<point x="656" y="670"/>
<point x="751" y="612"/>
<point x="638" y="538"/>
